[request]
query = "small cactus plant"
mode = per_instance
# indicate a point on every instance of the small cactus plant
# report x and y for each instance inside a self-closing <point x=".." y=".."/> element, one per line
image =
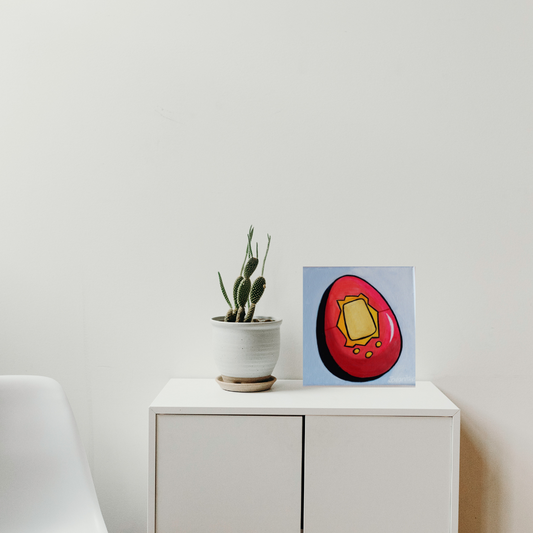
<point x="245" y="293"/>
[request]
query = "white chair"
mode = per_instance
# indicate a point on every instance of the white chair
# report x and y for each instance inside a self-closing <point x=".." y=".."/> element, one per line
<point x="45" y="481"/>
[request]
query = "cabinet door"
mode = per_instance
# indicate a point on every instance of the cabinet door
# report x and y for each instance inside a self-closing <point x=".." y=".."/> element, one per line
<point x="373" y="474"/>
<point x="235" y="474"/>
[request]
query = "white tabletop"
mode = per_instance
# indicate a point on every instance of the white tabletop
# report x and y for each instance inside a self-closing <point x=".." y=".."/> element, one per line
<point x="290" y="397"/>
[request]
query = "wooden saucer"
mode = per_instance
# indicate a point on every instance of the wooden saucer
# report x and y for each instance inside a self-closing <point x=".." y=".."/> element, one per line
<point x="245" y="385"/>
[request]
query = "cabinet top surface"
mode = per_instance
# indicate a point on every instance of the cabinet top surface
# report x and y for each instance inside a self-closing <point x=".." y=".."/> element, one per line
<point x="290" y="397"/>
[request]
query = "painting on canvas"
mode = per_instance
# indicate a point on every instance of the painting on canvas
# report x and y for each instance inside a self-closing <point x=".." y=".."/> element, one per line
<point x="359" y="326"/>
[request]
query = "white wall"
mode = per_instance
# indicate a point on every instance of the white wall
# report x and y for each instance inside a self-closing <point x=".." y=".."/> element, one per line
<point x="139" y="140"/>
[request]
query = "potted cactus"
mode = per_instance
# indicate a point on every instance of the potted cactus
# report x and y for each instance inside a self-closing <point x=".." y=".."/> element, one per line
<point x="246" y="346"/>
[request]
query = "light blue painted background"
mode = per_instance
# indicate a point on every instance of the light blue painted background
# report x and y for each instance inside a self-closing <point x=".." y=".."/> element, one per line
<point x="396" y="284"/>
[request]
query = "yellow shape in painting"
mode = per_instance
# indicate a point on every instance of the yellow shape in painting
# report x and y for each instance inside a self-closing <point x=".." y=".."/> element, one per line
<point x="358" y="321"/>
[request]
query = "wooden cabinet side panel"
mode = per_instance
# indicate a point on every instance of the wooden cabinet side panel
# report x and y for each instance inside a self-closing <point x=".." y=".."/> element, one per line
<point x="378" y="474"/>
<point x="232" y="474"/>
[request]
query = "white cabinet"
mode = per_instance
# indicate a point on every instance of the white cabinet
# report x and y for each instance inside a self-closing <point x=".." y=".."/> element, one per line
<point x="217" y="473"/>
<point x="328" y="459"/>
<point x="380" y="472"/>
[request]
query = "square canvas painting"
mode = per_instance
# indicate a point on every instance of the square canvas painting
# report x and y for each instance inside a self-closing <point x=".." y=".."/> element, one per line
<point x="359" y="326"/>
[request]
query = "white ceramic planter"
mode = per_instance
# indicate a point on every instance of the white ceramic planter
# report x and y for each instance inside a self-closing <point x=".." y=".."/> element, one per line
<point x="245" y="350"/>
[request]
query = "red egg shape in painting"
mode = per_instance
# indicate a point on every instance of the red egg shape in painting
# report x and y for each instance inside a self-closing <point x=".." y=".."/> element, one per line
<point x="357" y="332"/>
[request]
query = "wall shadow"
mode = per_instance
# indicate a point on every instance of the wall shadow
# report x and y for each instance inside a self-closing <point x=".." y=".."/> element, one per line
<point x="480" y="490"/>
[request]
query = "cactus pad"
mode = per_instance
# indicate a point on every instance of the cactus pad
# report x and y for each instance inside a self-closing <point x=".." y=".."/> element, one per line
<point x="243" y="292"/>
<point x="258" y="288"/>
<point x="250" y="267"/>
<point x="235" y="289"/>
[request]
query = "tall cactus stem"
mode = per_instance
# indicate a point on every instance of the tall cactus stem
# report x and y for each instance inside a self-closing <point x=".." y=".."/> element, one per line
<point x="222" y="288"/>
<point x="250" y="313"/>
<point x="244" y="262"/>
<point x="266" y="253"/>
<point x="250" y="236"/>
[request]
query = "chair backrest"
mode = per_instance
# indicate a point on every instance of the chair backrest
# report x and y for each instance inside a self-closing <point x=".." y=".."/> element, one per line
<point x="45" y="480"/>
